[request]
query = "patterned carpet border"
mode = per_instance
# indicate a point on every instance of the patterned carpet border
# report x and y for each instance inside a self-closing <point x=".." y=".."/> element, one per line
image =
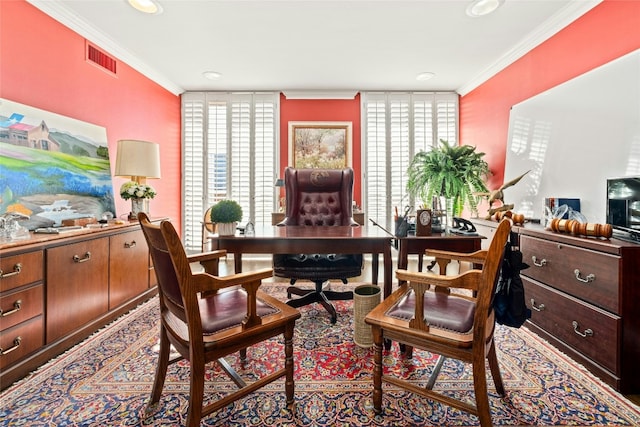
<point x="106" y="381"/>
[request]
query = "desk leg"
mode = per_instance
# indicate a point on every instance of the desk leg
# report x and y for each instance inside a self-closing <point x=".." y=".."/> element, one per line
<point x="374" y="268"/>
<point x="388" y="277"/>
<point x="237" y="262"/>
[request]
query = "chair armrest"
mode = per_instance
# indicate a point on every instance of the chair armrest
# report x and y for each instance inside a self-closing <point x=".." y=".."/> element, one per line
<point x="208" y="260"/>
<point x="477" y="257"/>
<point x="467" y="280"/>
<point x="204" y="256"/>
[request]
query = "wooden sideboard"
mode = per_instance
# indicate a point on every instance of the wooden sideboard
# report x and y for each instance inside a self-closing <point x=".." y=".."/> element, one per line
<point x="583" y="293"/>
<point x="277" y="217"/>
<point x="57" y="289"/>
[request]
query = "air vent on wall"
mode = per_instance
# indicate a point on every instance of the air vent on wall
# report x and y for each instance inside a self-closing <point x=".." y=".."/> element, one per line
<point x="101" y="59"/>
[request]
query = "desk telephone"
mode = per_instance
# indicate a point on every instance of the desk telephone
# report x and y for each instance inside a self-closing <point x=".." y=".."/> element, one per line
<point x="463" y="226"/>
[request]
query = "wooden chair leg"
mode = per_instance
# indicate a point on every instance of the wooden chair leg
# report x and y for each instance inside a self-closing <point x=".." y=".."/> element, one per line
<point x="481" y="392"/>
<point x="196" y="395"/>
<point x="495" y="369"/>
<point x="288" y="365"/>
<point x="377" y="369"/>
<point x="161" y="368"/>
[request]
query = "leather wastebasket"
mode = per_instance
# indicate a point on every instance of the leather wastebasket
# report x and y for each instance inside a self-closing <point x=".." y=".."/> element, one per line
<point x="365" y="299"/>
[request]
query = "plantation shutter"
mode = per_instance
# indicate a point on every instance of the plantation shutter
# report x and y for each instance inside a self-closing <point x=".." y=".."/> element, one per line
<point x="232" y="157"/>
<point x="395" y="127"/>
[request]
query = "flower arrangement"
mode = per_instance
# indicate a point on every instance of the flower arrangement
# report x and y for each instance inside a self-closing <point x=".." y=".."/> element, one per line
<point x="133" y="190"/>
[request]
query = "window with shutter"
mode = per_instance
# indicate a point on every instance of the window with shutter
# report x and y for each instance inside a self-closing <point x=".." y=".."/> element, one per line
<point x="396" y="125"/>
<point x="229" y="152"/>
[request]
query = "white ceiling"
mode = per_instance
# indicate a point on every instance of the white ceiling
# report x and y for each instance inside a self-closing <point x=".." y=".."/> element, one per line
<point x="316" y="45"/>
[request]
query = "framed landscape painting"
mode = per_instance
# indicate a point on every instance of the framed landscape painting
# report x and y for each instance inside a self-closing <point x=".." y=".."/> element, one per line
<point x="325" y="145"/>
<point x="52" y="167"/>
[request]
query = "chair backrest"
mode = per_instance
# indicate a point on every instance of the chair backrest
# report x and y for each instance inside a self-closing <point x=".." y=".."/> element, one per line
<point x="319" y="197"/>
<point x="169" y="277"/>
<point x="484" y="317"/>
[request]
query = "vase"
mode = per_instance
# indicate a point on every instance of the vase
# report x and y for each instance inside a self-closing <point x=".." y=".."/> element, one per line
<point x="227" y="228"/>
<point x="139" y="205"/>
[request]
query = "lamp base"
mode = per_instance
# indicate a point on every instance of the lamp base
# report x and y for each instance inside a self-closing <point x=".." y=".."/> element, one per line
<point x="132" y="217"/>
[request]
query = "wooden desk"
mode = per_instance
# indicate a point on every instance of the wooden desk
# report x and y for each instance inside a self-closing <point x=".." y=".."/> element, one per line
<point x="441" y="241"/>
<point x="294" y="239"/>
<point x="277" y="217"/>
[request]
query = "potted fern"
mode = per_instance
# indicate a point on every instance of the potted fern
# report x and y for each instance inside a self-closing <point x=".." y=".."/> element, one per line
<point x="226" y="214"/>
<point x="455" y="172"/>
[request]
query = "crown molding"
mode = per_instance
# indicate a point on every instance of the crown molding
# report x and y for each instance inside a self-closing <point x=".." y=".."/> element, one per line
<point x="557" y="22"/>
<point x="60" y="13"/>
<point x="320" y="94"/>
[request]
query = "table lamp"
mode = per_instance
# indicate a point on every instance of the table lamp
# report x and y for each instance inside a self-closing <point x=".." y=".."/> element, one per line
<point x="139" y="160"/>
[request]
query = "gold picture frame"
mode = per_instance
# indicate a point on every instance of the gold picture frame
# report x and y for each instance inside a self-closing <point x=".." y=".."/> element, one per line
<point x="325" y="145"/>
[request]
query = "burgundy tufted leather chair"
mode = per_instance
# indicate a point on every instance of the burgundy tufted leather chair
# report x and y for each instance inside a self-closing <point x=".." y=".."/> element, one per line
<point x="318" y="197"/>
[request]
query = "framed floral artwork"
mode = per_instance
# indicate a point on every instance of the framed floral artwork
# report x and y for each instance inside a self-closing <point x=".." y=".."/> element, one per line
<point x="325" y="145"/>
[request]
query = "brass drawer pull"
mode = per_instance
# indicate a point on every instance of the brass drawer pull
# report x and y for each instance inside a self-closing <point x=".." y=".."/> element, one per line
<point x="85" y="258"/>
<point x="130" y="245"/>
<point x="16" y="270"/>
<point x="542" y="262"/>
<point x="586" y="333"/>
<point x="541" y="307"/>
<point x="590" y="278"/>
<point x="16" y="307"/>
<point x="16" y="344"/>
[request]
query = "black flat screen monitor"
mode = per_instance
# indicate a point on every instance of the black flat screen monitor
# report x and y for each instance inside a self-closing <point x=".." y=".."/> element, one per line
<point x="623" y="203"/>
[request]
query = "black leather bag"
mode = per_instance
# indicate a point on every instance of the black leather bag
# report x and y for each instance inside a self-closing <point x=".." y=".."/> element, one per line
<point x="509" y="302"/>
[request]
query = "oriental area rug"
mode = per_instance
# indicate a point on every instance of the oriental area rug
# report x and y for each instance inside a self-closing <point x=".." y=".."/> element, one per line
<point x="107" y="380"/>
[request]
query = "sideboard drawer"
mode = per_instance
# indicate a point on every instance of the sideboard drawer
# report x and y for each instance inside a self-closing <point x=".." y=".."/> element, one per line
<point x="19" y="306"/>
<point x="19" y="270"/>
<point x="21" y="340"/>
<point x="590" y="330"/>
<point x="588" y="275"/>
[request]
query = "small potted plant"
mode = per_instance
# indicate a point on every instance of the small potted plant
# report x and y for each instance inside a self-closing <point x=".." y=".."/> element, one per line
<point x="226" y="214"/>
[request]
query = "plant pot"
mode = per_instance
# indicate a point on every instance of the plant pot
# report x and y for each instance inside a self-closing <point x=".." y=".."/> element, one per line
<point x="227" y="228"/>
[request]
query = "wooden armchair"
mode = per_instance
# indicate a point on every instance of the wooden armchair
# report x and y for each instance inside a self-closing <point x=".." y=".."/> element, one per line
<point x="206" y="317"/>
<point x="423" y="314"/>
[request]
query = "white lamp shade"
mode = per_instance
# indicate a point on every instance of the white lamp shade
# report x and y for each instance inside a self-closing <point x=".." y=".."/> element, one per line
<point x="138" y="159"/>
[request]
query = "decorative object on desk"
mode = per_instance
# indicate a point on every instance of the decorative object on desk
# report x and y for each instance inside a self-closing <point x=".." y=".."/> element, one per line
<point x="139" y="195"/>
<point x="498" y="195"/>
<point x="250" y="229"/>
<point x="423" y="222"/>
<point x="455" y="172"/>
<point x="281" y="200"/>
<point x="140" y="160"/>
<point x="518" y="219"/>
<point x="564" y="211"/>
<point x="574" y="227"/>
<point x="226" y="214"/>
<point x="10" y="229"/>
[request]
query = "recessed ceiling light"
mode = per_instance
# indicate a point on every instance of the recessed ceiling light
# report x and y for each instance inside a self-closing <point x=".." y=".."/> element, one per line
<point x="212" y="75"/>
<point x="147" y="6"/>
<point x="425" y="76"/>
<point x="483" y="7"/>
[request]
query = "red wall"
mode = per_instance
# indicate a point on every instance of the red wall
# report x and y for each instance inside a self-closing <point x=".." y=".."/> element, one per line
<point x="608" y="31"/>
<point x="326" y="110"/>
<point x="42" y="65"/>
